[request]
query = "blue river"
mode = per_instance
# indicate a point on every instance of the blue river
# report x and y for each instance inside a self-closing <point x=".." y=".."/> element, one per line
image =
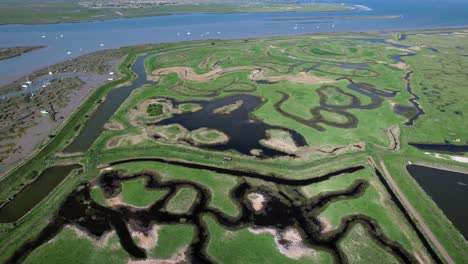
<point x="68" y="40"/>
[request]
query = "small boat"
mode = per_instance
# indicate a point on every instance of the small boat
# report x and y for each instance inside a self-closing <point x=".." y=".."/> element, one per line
<point x="28" y="82"/>
<point x="44" y="112"/>
<point x="61" y="36"/>
<point x="50" y="73"/>
<point x="110" y="79"/>
<point x="69" y="52"/>
<point x="111" y="73"/>
<point x="188" y="33"/>
<point x="43" y="36"/>
<point x="24" y="85"/>
<point x="101" y="45"/>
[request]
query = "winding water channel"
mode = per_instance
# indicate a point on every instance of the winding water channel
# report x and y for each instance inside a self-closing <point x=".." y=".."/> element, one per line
<point x="282" y="211"/>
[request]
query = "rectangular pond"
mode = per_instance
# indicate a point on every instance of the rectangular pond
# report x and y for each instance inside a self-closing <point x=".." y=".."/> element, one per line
<point x="448" y="189"/>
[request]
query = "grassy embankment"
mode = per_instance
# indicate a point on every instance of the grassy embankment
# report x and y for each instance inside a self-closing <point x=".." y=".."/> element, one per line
<point x="61" y="12"/>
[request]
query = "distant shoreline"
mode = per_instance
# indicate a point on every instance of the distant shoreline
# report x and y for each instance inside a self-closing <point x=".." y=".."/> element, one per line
<point x="335" y="18"/>
<point x="11" y="52"/>
<point x="42" y="18"/>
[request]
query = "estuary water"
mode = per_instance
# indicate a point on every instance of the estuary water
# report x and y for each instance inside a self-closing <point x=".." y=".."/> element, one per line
<point x="68" y="40"/>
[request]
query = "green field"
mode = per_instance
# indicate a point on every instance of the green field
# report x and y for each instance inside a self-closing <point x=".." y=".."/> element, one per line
<point x="44" y="12"/>
<point x="168" y="192"/>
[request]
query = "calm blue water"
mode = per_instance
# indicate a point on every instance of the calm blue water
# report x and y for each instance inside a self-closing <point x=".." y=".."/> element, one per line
<point x="81" y="38"/>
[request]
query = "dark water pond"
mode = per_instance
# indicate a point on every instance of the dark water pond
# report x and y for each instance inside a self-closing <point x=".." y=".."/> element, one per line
<point x="441" y="147"/>
<point x="448" y="189"/>
<point x="244" y="132"/>
<point x="34" y="193"/>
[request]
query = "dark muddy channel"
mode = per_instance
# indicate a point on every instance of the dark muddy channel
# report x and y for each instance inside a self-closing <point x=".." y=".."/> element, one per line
<point x="243" y="131"/>
<point x="281" y="211"/>
<point x="448" y="189"/>
<point x="34" y="193"/>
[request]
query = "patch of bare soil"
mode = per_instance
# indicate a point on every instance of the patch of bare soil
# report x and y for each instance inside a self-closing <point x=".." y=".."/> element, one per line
<point x="330" y="151"/>
<point x="289" y="242"/>
<point x="283" y="50"/>
<point x="101" y="242"/>
<point x="227" y="109"/>
<point x="178" y="258"/>
<point x="325" y="224"/>
<point x="114" y="202"/>
<point x="257" y="74"/>
<point x="187" y="73"/>
<point x="302" y="77"/>
<point x="113" y="126"/>
<point x="147" y="240"/>
<point x="400" y="65"/>
<point x="279" y="140"/>
<point x="126" y="139"/>
<point x="256" y="152"/>
<point x="257" y="200"/>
